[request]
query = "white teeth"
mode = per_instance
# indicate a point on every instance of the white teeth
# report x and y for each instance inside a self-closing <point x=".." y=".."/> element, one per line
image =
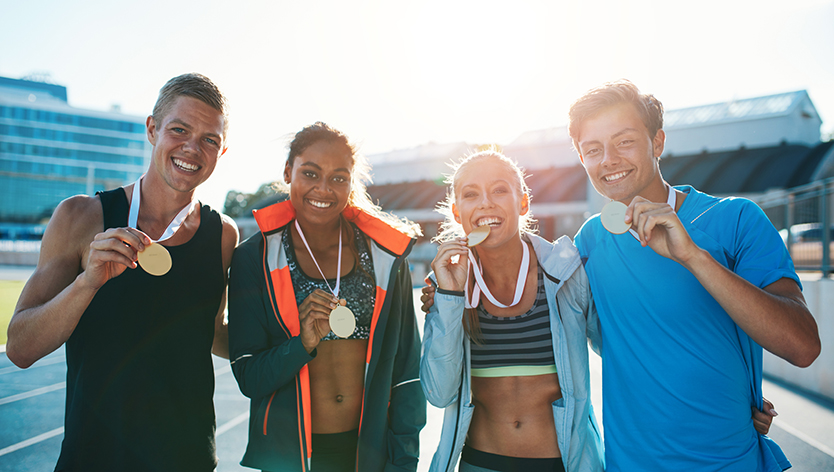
<point x="319" y="204"/>
<point x="609" y="178"/>
<point x="489" y="221"/>
<point x="184" y="165"/>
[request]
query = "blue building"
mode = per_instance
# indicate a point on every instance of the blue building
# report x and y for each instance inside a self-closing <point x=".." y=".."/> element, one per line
<point x="50" y="150"/>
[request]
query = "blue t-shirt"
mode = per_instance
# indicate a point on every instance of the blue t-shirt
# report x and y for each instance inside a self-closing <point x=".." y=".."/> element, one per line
<point x="679" y="376"/>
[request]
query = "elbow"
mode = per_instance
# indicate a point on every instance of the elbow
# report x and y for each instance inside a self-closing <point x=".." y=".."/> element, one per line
<point x="18" y="358"/>
<point x="808" y="354"/>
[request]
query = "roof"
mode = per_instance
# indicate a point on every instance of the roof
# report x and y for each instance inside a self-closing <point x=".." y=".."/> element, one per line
<point x="745" y="171"/>
<point x="736" y="110"/>
<point x="739" y="172"/>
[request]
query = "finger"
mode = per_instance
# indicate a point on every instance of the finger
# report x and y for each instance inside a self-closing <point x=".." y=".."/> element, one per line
<point x="649" y="217"/>
<point x="129" y="236"/>
<point x="112" y="250"/>
<point x="769" y="408"/>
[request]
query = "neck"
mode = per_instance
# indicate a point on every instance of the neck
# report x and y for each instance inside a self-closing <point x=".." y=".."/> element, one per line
<point x="657" y="192"/>
<point x="159" y="202"/>
<point x="501" y="263"/>
<point x="321" y="236"/>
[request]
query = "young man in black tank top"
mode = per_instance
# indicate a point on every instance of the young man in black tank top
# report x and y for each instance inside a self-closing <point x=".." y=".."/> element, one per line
<point x="140" y="379"/>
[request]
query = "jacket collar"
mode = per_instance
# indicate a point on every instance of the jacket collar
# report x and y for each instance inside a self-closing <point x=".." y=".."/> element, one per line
<point x="276" y="216"/>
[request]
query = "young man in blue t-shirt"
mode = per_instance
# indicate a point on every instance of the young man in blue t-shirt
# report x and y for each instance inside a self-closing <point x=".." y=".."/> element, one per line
<point x="686" y="301"/>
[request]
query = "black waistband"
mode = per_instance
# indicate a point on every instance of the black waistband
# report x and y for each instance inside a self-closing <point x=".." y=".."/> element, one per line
<point x="335" y="442"/>
<point x="501" y="463"/>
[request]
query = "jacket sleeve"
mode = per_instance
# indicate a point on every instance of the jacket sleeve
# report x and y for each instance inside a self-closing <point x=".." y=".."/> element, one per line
<point x="261" y="362"/>
<point x="592" y="326"/>
<point x="441" y="366"/>
<point x="407" y="411"/>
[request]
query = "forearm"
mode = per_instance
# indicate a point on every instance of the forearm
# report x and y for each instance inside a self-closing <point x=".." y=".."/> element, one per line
<point x="260" y="373"/>
<point x="35" y="331"/>
<point x="775" y="317"/>
<point x="441" y="365"/>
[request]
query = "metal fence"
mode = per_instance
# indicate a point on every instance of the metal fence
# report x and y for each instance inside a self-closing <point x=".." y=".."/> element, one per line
<point x="800" y="214"/>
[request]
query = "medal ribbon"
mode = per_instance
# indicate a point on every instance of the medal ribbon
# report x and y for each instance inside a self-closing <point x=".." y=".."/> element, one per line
<point x="338" y="264"/>
<point x="671" y="200"/>
<point x="480" y="284"/>
<point x="172" y="228"/>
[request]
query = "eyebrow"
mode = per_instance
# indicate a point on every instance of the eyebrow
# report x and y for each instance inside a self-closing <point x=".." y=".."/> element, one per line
<point x="622" y="132"/>
<point x="613" y="136"/>
<point x="497" y="181"/>
<point x="313" y="164"/>
<point x="190" y="128"/>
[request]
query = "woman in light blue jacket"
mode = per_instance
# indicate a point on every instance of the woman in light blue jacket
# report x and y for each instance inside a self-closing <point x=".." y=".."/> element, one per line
<point x="505" y="352"/>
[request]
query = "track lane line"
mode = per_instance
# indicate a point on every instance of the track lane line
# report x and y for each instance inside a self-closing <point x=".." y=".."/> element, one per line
<point x="31" y="441"/>
<point x="33" y="393"/>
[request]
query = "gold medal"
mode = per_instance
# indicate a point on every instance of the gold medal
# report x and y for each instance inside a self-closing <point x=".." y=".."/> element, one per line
<point x="342" y="321"/>
<point x="155" y="259"/>
<point x="477" y="235"/>
<point x="613" y="217"/>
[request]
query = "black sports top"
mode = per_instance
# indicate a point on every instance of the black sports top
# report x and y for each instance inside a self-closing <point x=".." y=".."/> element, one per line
<point x="358" y="287"/>
<point x="140" y="378"/>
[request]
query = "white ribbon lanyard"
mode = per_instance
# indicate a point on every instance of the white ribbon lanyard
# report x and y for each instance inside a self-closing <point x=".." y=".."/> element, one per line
<point x="671" y="200"/>
<point x="172" y="228"/>
<point x="480" y="284"/>
<point x="335" y="291"/>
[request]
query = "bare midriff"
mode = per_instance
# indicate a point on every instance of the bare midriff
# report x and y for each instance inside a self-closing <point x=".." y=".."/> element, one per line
<point x="513" y="416"/>
<point x="337" y="379"/>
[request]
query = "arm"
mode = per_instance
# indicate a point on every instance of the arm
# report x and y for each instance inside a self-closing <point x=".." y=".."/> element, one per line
<point x="775" y="316"/>
<point x="407" y="409"/>
<point x="220" y="346"/>
<point x="592" y="327"/>
<point x="441" y="365"/>
<point x="262" y="362"/>
<point x="76" y="259"/>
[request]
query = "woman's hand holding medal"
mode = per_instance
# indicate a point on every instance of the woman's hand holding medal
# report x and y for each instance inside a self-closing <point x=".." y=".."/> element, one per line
<point x="451" y="276"/>
<point x="314" y="317"/>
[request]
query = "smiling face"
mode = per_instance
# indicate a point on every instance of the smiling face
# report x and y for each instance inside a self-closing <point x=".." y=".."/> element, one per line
<point x="620" y="155"/>
<point x="487" y="192"/>
<point x="187" y="142"/>
<point x="320" y="182"/>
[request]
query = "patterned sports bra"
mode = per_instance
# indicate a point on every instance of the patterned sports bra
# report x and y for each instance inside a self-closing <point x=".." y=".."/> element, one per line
<point x="358" y="287"/>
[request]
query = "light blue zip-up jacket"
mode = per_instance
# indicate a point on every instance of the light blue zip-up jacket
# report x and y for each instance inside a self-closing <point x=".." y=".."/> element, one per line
<point x="446" y="363"/>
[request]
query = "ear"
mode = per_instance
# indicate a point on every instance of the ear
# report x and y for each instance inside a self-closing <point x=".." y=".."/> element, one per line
<point x="455" y="213"/>
<point x="287" y="173"/>
<point x="658" y="143"/>
<point x="525" y="204"/>
<point x="150" y="130"/>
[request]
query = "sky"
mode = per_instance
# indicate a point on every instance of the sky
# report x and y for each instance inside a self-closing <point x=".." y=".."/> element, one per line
<point x="395" y="75"/>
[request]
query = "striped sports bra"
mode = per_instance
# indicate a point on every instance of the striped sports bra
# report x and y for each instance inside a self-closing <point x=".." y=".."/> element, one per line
<point x="517" y="345"/>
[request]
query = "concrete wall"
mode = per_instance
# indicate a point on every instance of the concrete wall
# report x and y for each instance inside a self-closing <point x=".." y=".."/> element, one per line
<point x="819" y="377"/>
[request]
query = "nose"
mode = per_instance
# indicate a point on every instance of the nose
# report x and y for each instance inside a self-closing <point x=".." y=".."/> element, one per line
<point x="485" y="201"/>
<point x="610" y="156"/>
<point x="191" y="144"/>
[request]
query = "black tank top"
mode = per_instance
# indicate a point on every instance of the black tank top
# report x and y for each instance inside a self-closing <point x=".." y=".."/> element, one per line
<point x="140" y="378"/>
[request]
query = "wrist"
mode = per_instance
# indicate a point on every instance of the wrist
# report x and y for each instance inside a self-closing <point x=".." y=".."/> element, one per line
<point x="83" y="285"/>
<point x="697" y="261"/>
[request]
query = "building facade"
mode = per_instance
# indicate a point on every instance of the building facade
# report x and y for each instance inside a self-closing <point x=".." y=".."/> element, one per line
<point x="50" y="150"/>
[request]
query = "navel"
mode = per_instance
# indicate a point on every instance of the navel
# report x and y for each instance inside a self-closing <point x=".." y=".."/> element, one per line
<point x="339" y="399"/>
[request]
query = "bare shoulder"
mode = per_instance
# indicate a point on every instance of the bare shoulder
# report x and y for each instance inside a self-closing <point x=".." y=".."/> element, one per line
<point x="74" y="224"/>
<point x="230" y="238"/>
